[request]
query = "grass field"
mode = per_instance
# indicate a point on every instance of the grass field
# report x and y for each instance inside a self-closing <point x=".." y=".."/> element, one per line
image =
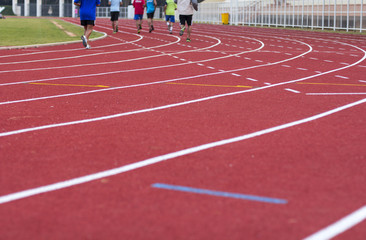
<point x="30" y="31"/>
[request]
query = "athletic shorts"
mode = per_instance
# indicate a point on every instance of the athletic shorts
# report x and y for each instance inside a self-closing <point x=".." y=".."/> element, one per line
<point x="170" y="18"/>
<point x="87" y="22"/>
<point x="150" y="15"/>
<point x="114" y="16"/>
<point x="185" y="19"/>
<point x="138" y="17"/>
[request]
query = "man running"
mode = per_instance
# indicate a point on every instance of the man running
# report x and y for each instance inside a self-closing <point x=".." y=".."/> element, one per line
<point x="115" y="4"/>
<point x="87" y="18"/>
<point x="139" y="12"/>
<point x="150" y="10"/>
<point x="185" y="10"/>
<point x="169" y="9"/>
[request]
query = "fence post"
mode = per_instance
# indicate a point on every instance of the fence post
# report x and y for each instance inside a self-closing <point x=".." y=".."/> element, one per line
<point x="26" y="8"/>
<point x="347" y="15"/>
<point x="73" y="9"/>
<point x="335" y="15"/>
<point x="285" y="17"/>
<point x="302" y="14"/>
<point x="39" y="8"/>
<point x="312" y="15"/>
<point x="276" y="13"/>
<point x="323" y="14"/>
<point x="61" y="5"/>
<point x="361" y="14"/>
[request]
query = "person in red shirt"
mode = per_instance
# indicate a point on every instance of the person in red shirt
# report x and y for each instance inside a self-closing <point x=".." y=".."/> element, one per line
<point x="139" y="12"/>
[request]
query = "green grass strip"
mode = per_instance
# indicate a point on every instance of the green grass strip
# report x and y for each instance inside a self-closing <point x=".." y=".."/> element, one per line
<point x="31" y="31"/>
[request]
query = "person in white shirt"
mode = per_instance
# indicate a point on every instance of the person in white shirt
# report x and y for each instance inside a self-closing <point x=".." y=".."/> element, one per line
<point x="185" y="10"/>
<point x="115" y="4"/>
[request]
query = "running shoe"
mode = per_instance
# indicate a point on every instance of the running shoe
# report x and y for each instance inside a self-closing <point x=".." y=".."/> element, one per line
<point x="140" y="26"/>
<point x="182" y="31"/>
<point x="188" y="40"/>
<point x="83" y="38"/>
<point x="88" y="46"/>
<point x="150" y="30"/>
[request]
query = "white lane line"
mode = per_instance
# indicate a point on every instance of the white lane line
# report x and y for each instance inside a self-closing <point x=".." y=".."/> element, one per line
<point x="146" y="84"/>
<point x="173" y="105"/>
<point x="3" y="134"/>
<point x="135" y="59"/>
<point x="154" y="160"/>
<point x="292" y="90"/>
<point x="340" y="226"/>
<point x="80" y="56"/>
<point x="360" y="93"/>
<point x="343" y="77"/>
<point x="252" y="79"/>
<point x="114" y="62"/>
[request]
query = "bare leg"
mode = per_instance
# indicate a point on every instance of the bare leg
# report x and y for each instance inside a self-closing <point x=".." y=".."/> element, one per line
<point x="115" y="26"/>
<point x="88" y="31"/>
<point x="189" y="30"/>
<point x="149" y="22"/>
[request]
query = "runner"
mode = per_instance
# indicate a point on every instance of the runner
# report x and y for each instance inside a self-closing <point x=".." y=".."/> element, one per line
<point x="87" y="18"/>
<point x="169" y="9"/>
<point x="139" y="12"/>
<point x="185" y="10"/>
<point x="150" y="10"/>
<point x="115" y="4"/>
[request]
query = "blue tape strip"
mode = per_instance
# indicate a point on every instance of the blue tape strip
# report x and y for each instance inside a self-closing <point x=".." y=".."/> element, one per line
<point x="219" y="194"/>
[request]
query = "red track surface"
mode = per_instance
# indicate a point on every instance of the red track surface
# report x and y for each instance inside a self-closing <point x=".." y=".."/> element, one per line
<point x="277" y="76"/>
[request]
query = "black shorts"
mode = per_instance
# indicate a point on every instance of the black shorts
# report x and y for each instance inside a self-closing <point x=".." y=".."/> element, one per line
<point x="114" y="16"/>
<point x="87" y="22"/>
<point x="150" y="15"/>
<point x="183" y="19"/>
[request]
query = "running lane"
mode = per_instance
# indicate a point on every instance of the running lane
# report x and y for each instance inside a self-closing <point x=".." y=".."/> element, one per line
<point x="289" y="108"/>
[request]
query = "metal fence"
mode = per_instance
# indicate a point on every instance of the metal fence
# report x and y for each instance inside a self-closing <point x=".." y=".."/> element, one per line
<point x="349" y="15"/>
<point x="321" y="14"/>
<point x="104" y="12"/>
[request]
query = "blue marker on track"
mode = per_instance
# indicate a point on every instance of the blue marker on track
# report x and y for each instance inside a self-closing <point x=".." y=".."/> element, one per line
<point x="219" y="193"/>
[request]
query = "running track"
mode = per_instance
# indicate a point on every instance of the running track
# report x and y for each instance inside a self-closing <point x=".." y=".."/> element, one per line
<point x="149" y="137"/>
